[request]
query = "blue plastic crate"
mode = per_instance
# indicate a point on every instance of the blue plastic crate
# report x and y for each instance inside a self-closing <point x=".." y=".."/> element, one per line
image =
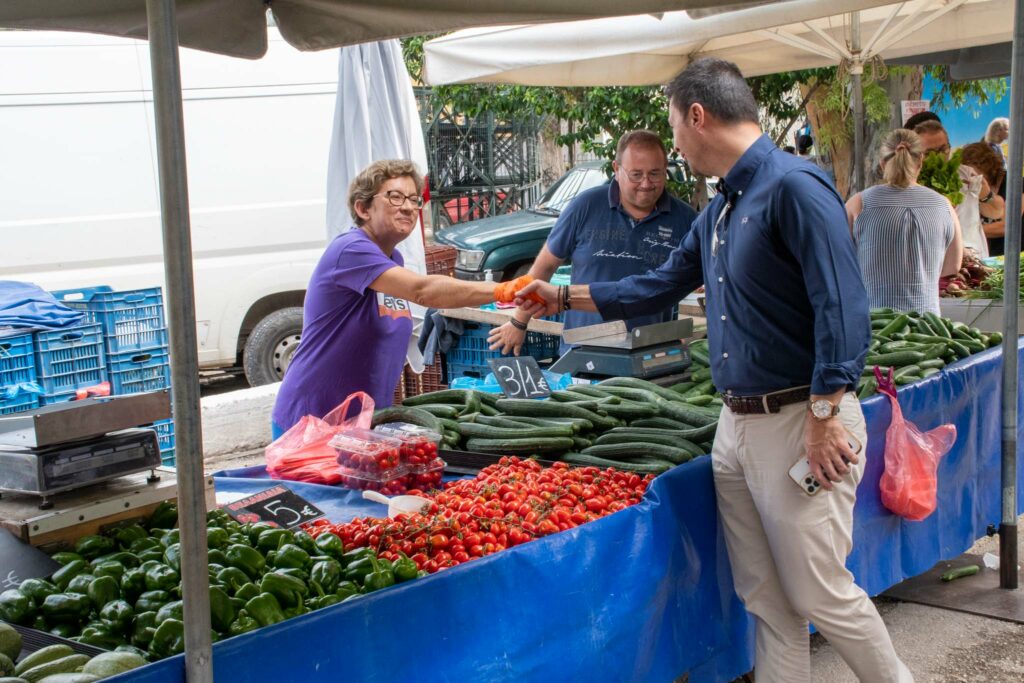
<point x="132" y="319"/>
<point x="133" y="372"/>
<point x="469" y="357"/>
<point x="68" y="360"/>
<point x="19" y="403"/>
<point x="165" y="437"/>
<point x="17" y="362"/>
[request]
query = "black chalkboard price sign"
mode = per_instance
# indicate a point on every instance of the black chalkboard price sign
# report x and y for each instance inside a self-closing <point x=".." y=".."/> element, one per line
<point x="277" y="505"/>
<point x="520" y="377"/>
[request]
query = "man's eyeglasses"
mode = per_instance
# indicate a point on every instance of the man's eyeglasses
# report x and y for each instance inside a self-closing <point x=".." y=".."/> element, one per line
<point x="638" y="176"/>
<point x="398" y="199"/>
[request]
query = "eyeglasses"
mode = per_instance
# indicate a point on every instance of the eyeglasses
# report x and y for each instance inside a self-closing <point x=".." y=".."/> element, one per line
<point x="637" y="177"/>
<point x="398" y="199"/>
<point x="943" y="150"/>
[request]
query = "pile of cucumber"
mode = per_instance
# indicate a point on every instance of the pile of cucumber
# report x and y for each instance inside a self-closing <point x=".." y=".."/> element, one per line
<point x="917" y="345"/>
<point x="622" y="422"/>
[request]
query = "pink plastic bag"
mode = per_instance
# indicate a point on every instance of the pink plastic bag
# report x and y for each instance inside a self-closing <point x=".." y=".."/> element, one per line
<point x="910" y="481"/>
<point x="303" y="454"/>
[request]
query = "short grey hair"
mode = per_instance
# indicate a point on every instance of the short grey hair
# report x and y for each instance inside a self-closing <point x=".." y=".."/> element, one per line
<point x="370" y="179"/>
<point x="716" y="85"/>
<point x="1000" y="123"/>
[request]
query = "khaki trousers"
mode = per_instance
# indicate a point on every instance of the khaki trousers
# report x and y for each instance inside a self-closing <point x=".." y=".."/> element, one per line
<point x="788" y="550"/>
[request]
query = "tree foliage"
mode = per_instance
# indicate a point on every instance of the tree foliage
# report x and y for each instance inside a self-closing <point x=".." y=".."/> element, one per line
<point x="960" y="94"/>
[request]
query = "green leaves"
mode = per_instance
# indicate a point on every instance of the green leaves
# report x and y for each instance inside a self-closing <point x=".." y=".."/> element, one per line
<point x="942" y="176"/>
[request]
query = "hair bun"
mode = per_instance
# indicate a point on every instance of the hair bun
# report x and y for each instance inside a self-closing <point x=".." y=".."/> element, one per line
<point x="902" y="145"/>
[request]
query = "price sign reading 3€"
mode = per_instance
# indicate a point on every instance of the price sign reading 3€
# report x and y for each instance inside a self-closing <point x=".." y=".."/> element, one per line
<point x="520" y="377"/>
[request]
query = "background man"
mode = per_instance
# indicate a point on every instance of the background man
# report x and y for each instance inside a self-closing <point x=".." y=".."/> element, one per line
<point x="609" y="232"/>
<point x="788" y="328"/>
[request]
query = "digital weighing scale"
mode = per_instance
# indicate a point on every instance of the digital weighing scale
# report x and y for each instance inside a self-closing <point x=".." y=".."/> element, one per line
<point x="610" y="350"/>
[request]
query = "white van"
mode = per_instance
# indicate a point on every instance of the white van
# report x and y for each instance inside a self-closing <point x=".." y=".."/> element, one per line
<point x="78" y="180"/>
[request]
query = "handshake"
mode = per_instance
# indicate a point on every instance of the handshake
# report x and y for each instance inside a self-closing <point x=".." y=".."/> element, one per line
<point x="536" y="297"/>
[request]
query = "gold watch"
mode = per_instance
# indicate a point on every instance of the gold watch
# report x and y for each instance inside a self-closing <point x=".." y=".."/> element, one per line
<point x="823" y="409"/>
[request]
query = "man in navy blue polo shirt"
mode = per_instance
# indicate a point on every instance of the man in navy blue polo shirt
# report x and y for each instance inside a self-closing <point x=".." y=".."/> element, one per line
<point x="610" y="232"/>
<point x="788" y="329"/>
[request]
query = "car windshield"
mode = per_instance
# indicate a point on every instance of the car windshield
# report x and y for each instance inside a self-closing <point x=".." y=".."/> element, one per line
<point x="567" y="187"/>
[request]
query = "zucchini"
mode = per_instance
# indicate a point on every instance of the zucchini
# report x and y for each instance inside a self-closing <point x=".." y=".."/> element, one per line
<point x="458" y="396"/>
<point x="659" y="423"/>
<point x="471" y="430"/>
<point x="648" y="467"/>
<point x="527" y="446"/>
<point x="897" y="358"/>
<point x="637" y="450"/>
<point x="411" y="415"/>
<point x="440" y="410"/>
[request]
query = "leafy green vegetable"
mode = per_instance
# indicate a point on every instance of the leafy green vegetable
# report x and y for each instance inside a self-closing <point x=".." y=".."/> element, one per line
<point x="942" y="176"/>
<point x="992" y="286"/>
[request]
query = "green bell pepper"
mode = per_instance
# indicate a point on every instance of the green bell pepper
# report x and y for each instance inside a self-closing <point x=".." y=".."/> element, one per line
<point x="16" y="607"/>
<point x="306" y="542"/>
<point x="144" y="544"/>
<point x="238" y="603"/>
<point x="63" y="558"/>
<point x="247" y="591"/>
<point x="155" y="554"/>
<point x="114" y="570"/>
<point x="161" y="578"/>
<point x="143" y="629"/>
<point x="324" y="601"/>
<point x="66" y="608"/>
<point x="239" y="538"/>
<point x="232" y="577"/>
<point x="356" y="554"/>
<point x="291" y="555"/>
<point x="168" y="639"/>
<point x="165" y="516"/>
<point x="217" y="517"/>
<point x="296" y="611"/>
<point x="172" y="556"/>
<point x="330" y="544"/>
<point x="247" y="559"/>
<point x="357" y="570"/>
<point x="216" y="537"/>
<point x="62" y="577"/>
<point x="37" y="589"/>
<point x="94" y="546"/>
<point x="66" y="631"/>
<point x="405" y="569"/>
<point x="300" y="574"/>
<point x="117" y="614"/>
<point x="121" y="557"/>
<point x="100" y="635"/>
<point x="170" y="537"/>
<point x="133" y="584"/>
<point x="222" y="610"/>
<point x="243" y="623"/>
<point x="272" y="539"/>
<point x="326" y="573"/>
<point x="346" y="589"/>
<point x="151" y="601"/>
<point x="127" y="535"/>
<point x="103" y="589"/>
<point x="80" y="584"/>
<point x="39" y="622"/>
<point x="217" y="556"/>
<point x="288" y="590"/>
<point x="265" y="609"/>
<point x="253" y="531"/>
<point x="382" y="575"/>
<point x="171" y="610"/>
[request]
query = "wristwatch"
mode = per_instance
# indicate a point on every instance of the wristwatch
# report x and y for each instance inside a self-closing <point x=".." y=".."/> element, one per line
<point x="823" y="409"/>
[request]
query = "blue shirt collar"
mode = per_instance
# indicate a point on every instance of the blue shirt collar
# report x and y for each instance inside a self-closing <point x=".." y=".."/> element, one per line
<point x="739" y="176"/>
<point x="663" y="205"/>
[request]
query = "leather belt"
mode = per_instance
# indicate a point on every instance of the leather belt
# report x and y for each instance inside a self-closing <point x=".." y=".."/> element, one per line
<point x="765" y="403"/>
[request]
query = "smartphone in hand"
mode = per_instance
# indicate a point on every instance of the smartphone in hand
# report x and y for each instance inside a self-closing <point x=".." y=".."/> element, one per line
<point x="800" y="473"/>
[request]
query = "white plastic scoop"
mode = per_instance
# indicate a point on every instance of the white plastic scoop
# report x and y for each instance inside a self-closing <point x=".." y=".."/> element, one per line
<point x="398" y="505"/>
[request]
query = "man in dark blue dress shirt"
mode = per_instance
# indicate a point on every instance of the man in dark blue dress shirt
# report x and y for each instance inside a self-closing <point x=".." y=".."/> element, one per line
<point x="788" y="329"/>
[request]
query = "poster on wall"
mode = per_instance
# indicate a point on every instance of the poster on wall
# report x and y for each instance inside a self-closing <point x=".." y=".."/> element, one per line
<point x="911" y="107"/>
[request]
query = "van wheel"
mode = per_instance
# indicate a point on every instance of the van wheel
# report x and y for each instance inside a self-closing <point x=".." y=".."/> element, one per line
<point x="271" y="345"/>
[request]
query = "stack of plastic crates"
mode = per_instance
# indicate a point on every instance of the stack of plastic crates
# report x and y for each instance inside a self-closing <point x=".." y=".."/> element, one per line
<point x="68" y="360"/>
<point x="469" y="357"/>
<point x="17" y="372"/>
<point x="135" y="339"/>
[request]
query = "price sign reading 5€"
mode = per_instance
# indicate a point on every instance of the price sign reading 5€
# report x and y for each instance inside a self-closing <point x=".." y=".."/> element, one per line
<point x="520" y="377"/>
<point x="277" y="505"/>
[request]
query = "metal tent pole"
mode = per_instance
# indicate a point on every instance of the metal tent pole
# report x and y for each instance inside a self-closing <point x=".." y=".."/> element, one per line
<point x="856" y="70"/>
<point x="177" y="243"/>
<point x="1008" y="574"/>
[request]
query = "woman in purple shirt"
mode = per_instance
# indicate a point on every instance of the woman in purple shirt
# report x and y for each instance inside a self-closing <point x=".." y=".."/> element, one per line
<point x="356" y="318"/>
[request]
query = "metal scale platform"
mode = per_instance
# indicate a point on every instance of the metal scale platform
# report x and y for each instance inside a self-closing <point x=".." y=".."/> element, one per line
<point x="72" y="445"/>
<point x="610" y="350"/>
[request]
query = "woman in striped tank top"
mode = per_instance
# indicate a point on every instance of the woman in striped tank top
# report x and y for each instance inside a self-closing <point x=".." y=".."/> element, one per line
<point x="907" y="236"/>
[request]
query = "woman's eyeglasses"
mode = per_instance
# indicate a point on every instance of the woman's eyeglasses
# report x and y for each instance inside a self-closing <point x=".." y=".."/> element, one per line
<point x="398" y="199"/>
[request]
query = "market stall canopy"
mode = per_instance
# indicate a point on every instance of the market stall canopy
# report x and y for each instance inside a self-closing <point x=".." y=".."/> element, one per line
<point x="238" y="27"/>
<point x="970" y="63"/>
<point x="646" y="50"/>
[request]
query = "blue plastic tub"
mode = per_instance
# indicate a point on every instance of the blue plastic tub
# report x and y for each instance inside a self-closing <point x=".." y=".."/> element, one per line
<point x="132" y="319"/>
<point x="68" y="360"/>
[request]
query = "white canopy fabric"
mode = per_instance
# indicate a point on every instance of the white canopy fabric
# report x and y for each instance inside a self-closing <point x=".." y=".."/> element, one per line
<point x="238" y="27"/>
<point x="646" y="50"/>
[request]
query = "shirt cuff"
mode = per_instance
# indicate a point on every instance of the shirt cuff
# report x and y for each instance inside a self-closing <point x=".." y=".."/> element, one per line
<point x="605" y="298"/>
<point x="829" y="378"/>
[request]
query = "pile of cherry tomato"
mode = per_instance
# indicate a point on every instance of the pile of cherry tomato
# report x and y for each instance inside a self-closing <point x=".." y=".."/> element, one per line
<point x="506" y="504"/>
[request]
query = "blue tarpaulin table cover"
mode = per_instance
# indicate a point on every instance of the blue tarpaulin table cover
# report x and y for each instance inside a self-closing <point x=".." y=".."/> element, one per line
<point x="642" y="595"/>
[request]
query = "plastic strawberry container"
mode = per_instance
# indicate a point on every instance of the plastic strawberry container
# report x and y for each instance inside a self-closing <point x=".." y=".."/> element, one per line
<point x="368" y="455"/>
<point x="426" y="477"/>
<point x="419" y="444"/>
<point x="391" y="486"/>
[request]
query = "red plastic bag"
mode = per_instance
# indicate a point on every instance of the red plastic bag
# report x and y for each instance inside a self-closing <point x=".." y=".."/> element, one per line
<point x="303" y="454"/>
<point x="910" y="481"/>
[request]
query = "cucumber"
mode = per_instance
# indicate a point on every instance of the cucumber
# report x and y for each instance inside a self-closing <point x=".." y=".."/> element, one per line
<point x="869" y="387"/>
<point x="42" y="656"/>
<point x="702" y="375"/>
<point x="995" y="339"/>
<point x="694" y="415"/>
<point x="637" y="383"/>
<point x="579" y="443"/>
<point x="935" y="350"/>
<point x="634" y="394"/>
<point x="649" y="467"/>
<point x="578" y="425"/>
<point x="879" y="323"/>
<point x="928" y="372"/>
<point x="411" y="415"/>
<point x="705" y="387"/>
<point x="113" y="663"/>
<point x="907" y="379"/>
<point x="660" y="423"/>
<point x="531" y="408"/>
<point x="937" y="325"/>
<point x="932" y="363"/>
<point x="636" y="450"/>
<point x="440" y="410"/>
<point x="960" y="572"/>
<point x="702" y="400"/>
<point x="458" y="396"/>
<point x="897" y="325"/>
<point x="448" y="425"/>
<point x="486" y="409"/>
<point x="682" y="387"/>
<point x="897" y="358"/>
<point x="906" y="370"/>
<point x="898" y="345"/>
<point x="497" y="421"/>
<point x="64" y="665"/>
<point x="527" y="446"/>
<point x="631" y="410"/>
<point x="468" y="417"/>
<point x="700" y="355"/>
<point x="882" y="312"/>
<point x="642" y="441"/>
<point x="471" y="430"/>
<point x="587" y="390"/>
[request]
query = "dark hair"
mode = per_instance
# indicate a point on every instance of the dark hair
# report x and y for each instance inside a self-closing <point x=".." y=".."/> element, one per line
<point x="919" y="118"/>
<point x="718" y="86"/>
<point x="639" y="138"/>
<point x="790" y="149"/>
<point x="804" y="143"/>
<point x="930" y="126"/>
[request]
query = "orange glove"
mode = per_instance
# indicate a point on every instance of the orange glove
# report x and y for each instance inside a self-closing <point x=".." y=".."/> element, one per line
<point x="506" y="291"/>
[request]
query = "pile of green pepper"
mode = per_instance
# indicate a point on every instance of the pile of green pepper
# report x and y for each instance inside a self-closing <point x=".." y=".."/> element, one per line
<point x="123" y="588"/>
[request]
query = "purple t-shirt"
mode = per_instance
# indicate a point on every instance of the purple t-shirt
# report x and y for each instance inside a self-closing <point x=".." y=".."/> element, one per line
<point x="353" y="338"/>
